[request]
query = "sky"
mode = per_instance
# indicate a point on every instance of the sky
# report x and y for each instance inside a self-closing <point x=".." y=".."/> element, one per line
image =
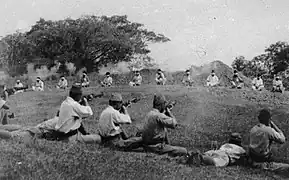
<point x="201" y="31"/>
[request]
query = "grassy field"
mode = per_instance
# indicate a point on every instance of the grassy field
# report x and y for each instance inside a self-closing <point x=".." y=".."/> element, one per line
<point x="205" y="115"/>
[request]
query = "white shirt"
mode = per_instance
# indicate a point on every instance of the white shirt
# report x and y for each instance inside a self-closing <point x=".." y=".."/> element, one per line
<point x="71" y="114"/>
<point x="109" y="121"/>
<point x="186" y="78"/>
<point x="40" y="84"/>
<point x="20" y="85"/>
<point x="213" y="79"/>
<point x="137" y="79"/>
<point x="62" y="83"/>
<point x="261" y="137"/>
<point x="257" y="82"/>
<point x="107" y="80"/>
<point x="160" y="77"/>
<point x="278" y="83"/>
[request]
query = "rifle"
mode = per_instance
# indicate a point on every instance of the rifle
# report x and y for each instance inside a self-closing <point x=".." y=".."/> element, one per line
<point x="171" y="104"/>
<point x="90" y="97"/>
<point x="131" y="101"/>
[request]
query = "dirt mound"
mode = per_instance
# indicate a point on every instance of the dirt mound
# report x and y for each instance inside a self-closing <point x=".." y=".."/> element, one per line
<point x="223" y="71"/>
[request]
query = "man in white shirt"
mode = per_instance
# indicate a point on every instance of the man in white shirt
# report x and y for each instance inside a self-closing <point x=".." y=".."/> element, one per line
<point x="107" y="82"/>
<point x="71" y="114"/>
<point x="160" y="78"/>
<point x="187" y="80"/>
<point x="137" y="79"/>
<point x="84" y="80"/>
<point x="39" y="85"/>
<point x="212" y="79"/>
<point x="258" y="83"/>
<point x="278" y="85"/>
<point x="62" y="84"/>
<point x="18" y="87"/>
<point x="237" y="81"/>
<point x="110" y="122"/>
<point x="262" y="136"/>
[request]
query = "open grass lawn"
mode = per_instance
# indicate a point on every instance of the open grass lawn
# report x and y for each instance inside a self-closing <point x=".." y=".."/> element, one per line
<point x="205" y="116"/>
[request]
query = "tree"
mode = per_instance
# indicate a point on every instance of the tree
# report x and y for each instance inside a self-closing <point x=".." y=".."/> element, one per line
<point x="240" y="63"/>
<point x="277" y="57"/>
<point x="89" y="41"/>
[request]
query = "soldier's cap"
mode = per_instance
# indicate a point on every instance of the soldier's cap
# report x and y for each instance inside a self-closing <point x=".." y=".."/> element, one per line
<point x="187" y="70"/>
<point x="264" y="113"/>
<point x="107" y="73"/>
<point x="160" y="99"/>
<point x="236" y="137"/>
<point x="38" y="78"/>
<point x="76" y="89"/>
<point x="213" y="71"/>
<point x="116" y="97"/>
<point x="235" y="71"/>
<point x="159" y="70"/>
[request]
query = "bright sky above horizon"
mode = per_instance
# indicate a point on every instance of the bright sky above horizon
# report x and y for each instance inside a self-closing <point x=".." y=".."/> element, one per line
<point x="201" y="31"/>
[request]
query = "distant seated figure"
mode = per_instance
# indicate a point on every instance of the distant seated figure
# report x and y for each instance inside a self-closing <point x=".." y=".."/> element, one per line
<point x="160" y="78"/>
<point x="212" y="79"/>
<point x="137" y="79"/>
<point x="107" y="82"/>
<point x="258" y="83"/>
<point x="84" y="80"/>
<point x="237" y="81"/>
<point x="187" y="80"/>
<point x="62" y="84"/>
<point x="39" y="85"/>
<point x="278" y="85"/>
<point x="18" y="87"/>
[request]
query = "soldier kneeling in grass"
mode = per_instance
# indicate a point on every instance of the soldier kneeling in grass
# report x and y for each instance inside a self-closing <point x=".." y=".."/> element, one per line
<point x="110" y="122"/>
<point x="154" y="133"/>
<point x="71" y="114"/>
<point x="262" y="136"/>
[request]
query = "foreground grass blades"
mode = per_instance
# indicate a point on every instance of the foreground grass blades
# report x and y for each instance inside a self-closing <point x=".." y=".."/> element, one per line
<point x="205" y="116"/>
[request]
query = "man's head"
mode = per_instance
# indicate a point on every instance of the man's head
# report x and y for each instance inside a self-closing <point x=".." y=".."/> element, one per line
<point x="187" y="72"/>
<point x="18" y="81"/>
<point x="62" y="78"/>
<point x="235" y="72"/>
<point x="38" y="79"/>
<point x="159" y="102"/>
<point x="115" y="101"/>
<point x="107" y="74"/>
<point x="264" y="117"/>
<point x="75" y="92"/>
<point x="137" y="73"/>
<point x="213" y="73"/>
<point x="236" y="139"/>
<point x="159" y="71"/>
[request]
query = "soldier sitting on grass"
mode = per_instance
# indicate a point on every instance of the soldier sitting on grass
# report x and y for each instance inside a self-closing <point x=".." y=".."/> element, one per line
<point x="262" y="136"/>
<point x="154" y="133"/>
<point x="110" y="122"/>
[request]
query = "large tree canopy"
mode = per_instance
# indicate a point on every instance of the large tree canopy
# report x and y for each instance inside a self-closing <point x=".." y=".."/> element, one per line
<point x="89" y="41"/>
